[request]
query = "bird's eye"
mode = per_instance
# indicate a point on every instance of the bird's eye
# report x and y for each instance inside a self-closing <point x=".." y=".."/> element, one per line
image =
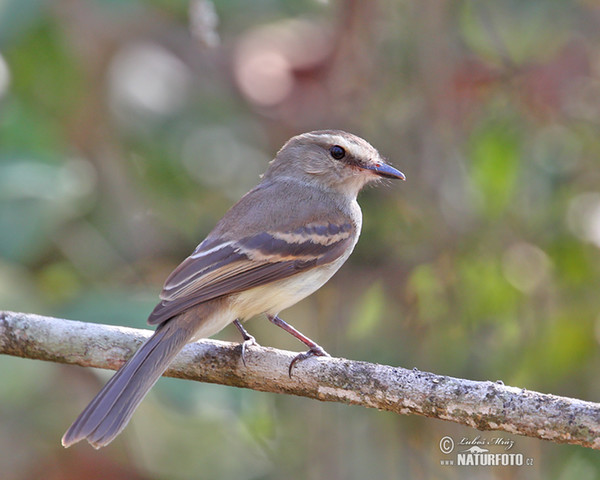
<point x="337" y="152"/>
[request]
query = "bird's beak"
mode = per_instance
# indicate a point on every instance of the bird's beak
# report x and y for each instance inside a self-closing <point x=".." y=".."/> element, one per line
<point x="385" y="170"/>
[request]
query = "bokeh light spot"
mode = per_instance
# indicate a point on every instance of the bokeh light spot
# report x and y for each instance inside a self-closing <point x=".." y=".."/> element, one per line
<point x="4" y="77"/>
<point x="525" y="266"/>
<point x="148" y="79"/>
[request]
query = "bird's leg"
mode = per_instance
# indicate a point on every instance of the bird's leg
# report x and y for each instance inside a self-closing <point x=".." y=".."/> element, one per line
<point x="314" y="349"/>
<point x="248" y="339"/>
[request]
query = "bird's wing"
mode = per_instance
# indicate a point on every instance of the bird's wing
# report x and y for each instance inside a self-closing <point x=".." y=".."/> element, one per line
<point x="221" y="267"/>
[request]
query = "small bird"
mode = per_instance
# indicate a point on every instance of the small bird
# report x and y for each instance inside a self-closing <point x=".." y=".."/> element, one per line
<point x="281" y="242"/>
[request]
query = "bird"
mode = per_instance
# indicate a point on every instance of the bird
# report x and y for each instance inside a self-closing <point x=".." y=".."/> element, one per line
<point x="278" y="244"/>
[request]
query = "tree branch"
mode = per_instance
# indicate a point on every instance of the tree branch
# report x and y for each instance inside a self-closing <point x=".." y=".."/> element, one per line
<point x="481" y="405"/>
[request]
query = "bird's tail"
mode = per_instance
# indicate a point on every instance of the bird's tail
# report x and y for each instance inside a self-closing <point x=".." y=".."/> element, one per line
<point x="109" y="412"/>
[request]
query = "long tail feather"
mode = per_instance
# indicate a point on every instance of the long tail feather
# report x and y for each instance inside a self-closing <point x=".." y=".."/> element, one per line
<point x="110" y="411"/>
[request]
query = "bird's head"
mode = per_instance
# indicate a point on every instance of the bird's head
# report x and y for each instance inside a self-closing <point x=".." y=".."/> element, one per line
<point x="331" y="159"/>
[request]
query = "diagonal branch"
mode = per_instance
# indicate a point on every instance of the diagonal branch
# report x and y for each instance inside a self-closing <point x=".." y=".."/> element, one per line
<point x="481" y="405"/>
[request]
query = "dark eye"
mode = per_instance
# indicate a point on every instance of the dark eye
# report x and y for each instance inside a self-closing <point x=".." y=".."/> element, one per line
<point x="337" y="152"/>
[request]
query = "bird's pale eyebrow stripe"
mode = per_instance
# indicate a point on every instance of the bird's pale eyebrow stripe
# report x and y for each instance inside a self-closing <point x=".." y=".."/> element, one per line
<point x="332" y="138"/>
<point x="355" y="146"/>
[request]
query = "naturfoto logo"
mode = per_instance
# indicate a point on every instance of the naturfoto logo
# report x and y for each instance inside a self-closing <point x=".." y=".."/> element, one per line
<point x="479" y="452"/>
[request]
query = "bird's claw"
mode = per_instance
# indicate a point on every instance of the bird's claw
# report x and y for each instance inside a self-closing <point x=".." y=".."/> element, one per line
<point x="248" y="342"/>
<point x="315" y="351"/>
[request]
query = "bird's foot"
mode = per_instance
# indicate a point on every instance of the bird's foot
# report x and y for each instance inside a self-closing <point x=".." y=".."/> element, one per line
<point x="250" y="341"/>
<point x="315" y="351"/>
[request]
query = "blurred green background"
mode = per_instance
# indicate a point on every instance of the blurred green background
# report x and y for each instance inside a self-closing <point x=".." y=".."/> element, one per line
<point x="127" y="128"/>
